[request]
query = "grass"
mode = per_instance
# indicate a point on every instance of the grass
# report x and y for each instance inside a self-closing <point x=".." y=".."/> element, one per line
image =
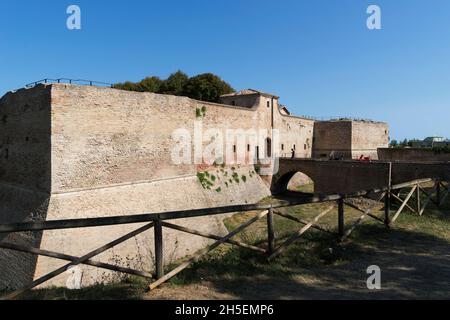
<point x="314" y="251"/>
<point x="132" y="288"/>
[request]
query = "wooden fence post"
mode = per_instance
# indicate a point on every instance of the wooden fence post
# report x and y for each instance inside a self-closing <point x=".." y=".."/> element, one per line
<point x="387" y="199"/>
<point x="270" y="232"/>
<point x="387" y="208"/>
<point x="341" y="220"/>
<point x="438" y="192"/>
<point x="418" y="198"/>
<point x="159" y="250"/>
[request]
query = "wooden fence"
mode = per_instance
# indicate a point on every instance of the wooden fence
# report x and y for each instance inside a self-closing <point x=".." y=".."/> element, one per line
<point x="158" y="221"/>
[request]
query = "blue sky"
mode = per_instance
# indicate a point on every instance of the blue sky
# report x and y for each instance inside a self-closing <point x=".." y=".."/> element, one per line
<point x="318" y="55"/>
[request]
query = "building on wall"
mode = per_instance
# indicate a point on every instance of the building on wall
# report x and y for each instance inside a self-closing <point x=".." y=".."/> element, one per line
<point x="349" y="139"/>
<point x="343" y="138"/>
<point x="69" y="151"/>
<point x="295" y="133"/>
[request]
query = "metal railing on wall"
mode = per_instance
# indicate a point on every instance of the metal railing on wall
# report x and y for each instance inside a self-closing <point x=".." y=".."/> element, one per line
<point x="337" y="118"/>
<point x="70" y="81"/>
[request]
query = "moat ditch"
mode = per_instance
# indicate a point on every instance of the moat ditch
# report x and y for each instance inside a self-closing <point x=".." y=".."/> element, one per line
<point x="414" y="257"/>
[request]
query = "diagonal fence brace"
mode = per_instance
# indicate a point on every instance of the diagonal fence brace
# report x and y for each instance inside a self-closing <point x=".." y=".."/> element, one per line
<point x="81" y="260"/>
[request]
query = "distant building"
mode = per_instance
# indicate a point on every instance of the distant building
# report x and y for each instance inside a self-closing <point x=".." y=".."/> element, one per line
<point x="431" y="142"/>
<point x="445" y="143"/>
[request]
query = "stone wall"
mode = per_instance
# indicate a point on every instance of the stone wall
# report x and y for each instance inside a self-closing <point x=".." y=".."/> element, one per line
<point x="333" y="177"/>
<point x="332" y="136"/>
<point x="367" y="137"/>
<point x="151" y="197"/>
<point x="351" y="138"/>
<point x="411" y="154"/>
<point x="25" y="139"/>
<point x="295" y="133"/>
<point x="25" y="175"/>
<point x="106" y="136"/>
<point x="107" y="152"/>
<point x="77" y="152"/>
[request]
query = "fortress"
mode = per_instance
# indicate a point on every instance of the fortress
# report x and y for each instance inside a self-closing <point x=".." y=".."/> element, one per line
<point x="71" y="151"/>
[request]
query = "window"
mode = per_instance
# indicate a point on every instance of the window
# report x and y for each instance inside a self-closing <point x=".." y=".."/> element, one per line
<point x="294" y="147"/>
<point x="306" y="147"/>
<point x="269" y="147"/>
<point x="234" y="148"/>
<point x="248" y="148"/>
<point x="282" y="147"/>
<point x="268" y="104"/>
<point x="257" y="152"/>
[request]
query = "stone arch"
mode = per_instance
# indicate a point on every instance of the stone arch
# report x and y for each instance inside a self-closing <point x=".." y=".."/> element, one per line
<point x="301" y="182"/>
<point x="288" y="181"/>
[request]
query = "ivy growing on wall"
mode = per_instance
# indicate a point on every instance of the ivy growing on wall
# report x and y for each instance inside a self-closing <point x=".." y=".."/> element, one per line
<point x="200" y="112"/>
<point x="222" y="178"/>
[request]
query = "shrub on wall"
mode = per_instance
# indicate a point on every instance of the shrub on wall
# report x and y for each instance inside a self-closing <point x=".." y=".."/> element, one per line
<point x="205" y="87"/>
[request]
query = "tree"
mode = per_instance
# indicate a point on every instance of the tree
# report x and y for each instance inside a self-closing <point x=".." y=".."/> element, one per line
<point x="207" y="87"/>
<point x="129" y="86"/>
<point x="175" y="84"/>
<point x="404" y="143"/>
<point x="394" y="144"/>
<point x="150" y="84"/>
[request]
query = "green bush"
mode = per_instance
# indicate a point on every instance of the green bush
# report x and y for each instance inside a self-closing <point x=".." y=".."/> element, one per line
<point x="204" y="87"/>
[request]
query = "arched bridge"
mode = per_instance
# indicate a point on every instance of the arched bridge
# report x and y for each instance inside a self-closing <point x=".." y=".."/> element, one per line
<point x="349" y="176"/>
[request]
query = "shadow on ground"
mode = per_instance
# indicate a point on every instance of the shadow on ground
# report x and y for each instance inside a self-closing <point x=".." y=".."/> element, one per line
<point x="414" y="265"/>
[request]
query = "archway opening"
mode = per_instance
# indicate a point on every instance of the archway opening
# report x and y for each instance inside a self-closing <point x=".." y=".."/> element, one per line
<point x="301" y="182"/>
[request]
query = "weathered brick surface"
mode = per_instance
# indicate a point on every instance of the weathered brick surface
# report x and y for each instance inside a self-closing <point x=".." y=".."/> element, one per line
<point x="73" y="152"/>
<point x="333" y="177"/>
<point x="25" y="139"/>
<point x="351" y="138"/>
<point x="367" y="137"/>
<point x="332" y="136"/>
<point x="411" y="154"/>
